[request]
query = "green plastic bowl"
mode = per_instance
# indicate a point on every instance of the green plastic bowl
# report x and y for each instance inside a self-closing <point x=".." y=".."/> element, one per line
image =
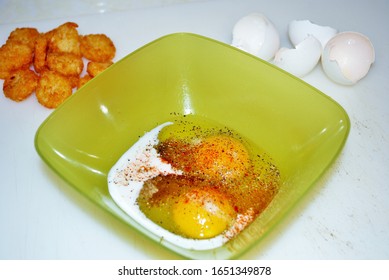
<point x="301" y="128"/>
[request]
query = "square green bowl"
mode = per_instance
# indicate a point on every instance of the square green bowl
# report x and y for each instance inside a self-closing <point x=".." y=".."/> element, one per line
<point x="302" y="129"/>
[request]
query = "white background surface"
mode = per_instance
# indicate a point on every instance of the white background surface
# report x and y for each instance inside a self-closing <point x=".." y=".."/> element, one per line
<point x="344" y="216"/>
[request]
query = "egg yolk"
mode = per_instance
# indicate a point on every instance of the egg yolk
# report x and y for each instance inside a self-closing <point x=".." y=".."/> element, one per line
<point x="221" y="157"/>
<point x="202" y="214"/>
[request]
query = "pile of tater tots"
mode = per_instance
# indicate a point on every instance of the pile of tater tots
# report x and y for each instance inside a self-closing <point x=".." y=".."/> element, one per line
<point x="51" y="64"/>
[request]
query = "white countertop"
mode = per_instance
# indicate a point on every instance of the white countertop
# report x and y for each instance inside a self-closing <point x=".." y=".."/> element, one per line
<point x="344" y="216"/>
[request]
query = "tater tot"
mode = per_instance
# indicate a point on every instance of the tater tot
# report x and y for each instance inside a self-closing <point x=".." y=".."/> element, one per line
<point x="14" y="56"/>
<point x="52" y="89"/>
<point x="40" y="52"/>
<point x="20" y="84"/>
<point x="97" y="47"/>
<point x="67" y="64"/>
<point x="51" y="63"/>
<point x="24" y="35"/>
<point x="83" y="80"/>
<point x="95" y="68"/>
<point x="74" y="80"/>
<point x="65" y="38"/>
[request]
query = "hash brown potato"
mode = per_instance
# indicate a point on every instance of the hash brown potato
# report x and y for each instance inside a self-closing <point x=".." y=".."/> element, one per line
<point x="97" y="47"/>
<point x="52" y="89"/>
<point x="14" y="56"/>
<point x="67" y="64"/>
<point x="94" y="68"/>
<point x="25" y="35"/>
<point x="40" y="52"/>
<point x="20" y="84"/>
<point x="65" y="38"/>
<point x="83" y="80"/>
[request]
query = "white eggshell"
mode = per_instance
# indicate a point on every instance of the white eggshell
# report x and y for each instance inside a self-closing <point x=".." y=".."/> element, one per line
<point x="347" y="57"/>
<point x="301" y="60"/>
<point x="300" y="29"/>
<point x="256" y="35"/>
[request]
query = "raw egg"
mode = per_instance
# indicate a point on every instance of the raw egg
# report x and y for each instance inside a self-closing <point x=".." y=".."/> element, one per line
<point x="193" y="183"/>
<point x="203" y="213"/>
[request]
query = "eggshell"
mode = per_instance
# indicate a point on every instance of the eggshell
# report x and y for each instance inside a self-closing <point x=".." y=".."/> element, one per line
<point x="300" y="29"/>
<point x="347" y="57"/>
<point x="301" y="60"/>
<point x="256" y="35"/>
